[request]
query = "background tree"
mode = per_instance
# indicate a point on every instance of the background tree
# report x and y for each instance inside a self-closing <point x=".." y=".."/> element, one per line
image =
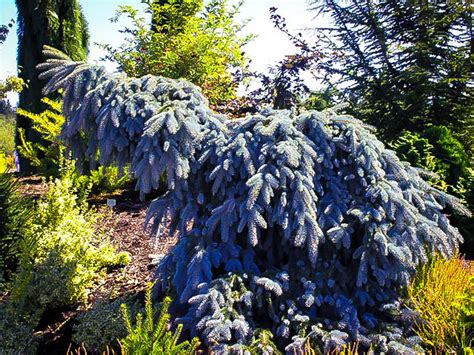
<point x="5" y="30"/>
<point x="404" y="65"/>
<point x="59" y="23"/>
<point x="161" y="19"/>
<point x="186" y="40"/>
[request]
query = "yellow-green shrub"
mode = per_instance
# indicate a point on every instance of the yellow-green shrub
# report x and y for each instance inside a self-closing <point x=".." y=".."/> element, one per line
<point x="44" y="154"/>
<point x="63" y="255"/>
<point x="7" y="142"/>
<point x="3" y="163"/>
<point x="440" y="294"/>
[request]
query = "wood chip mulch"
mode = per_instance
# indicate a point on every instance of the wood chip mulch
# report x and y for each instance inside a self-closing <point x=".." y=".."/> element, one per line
<point x="32" y="186"/>
<point x="125" y="228"/>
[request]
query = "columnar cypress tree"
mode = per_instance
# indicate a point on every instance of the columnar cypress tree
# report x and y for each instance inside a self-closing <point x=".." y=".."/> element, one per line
<point x="59" y="23"/>
<point x="304" y="224"/>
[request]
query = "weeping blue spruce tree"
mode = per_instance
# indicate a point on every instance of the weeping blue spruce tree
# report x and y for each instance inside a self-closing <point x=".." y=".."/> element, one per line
<point x="303" y="224"/>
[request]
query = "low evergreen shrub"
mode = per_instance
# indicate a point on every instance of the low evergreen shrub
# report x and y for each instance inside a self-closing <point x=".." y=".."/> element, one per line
<point x="147" y="337"/>
<point x="63" y="255"/>
<point x="305" y="225"/>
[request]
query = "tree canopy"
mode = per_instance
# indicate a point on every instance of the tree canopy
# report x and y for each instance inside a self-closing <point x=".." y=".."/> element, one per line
<point x="186" y="39"/>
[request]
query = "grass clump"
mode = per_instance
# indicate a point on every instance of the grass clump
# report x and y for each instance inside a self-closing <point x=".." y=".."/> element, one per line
<point x="442" y="293"/>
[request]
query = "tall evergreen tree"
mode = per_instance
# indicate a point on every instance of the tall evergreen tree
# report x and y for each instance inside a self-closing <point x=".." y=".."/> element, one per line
<point x="60" y="23"/>
<point x="404" y="64"/>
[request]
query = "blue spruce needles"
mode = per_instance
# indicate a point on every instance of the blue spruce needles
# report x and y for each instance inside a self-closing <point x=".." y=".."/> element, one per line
<point x="303" y="224"/>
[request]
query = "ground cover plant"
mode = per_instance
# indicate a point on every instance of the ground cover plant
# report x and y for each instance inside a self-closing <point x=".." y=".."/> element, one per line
<point x="302" y="224"/>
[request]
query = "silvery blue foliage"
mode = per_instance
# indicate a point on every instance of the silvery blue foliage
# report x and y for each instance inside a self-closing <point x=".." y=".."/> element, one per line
<point x="303" y="223"/>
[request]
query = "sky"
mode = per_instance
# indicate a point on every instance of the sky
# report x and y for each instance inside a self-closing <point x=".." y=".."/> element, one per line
<point x="268" y="48"/>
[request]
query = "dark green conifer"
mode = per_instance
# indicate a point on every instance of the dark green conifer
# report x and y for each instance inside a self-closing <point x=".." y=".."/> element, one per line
<point x="59" y="23"/>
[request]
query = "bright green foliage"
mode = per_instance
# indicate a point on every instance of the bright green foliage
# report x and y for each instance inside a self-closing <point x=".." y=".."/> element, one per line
<point x="436" y="149"/>
<point x="3" y="162"/>
<point x="187" y="40"/>
<point x="101" y="326"/>
<point x="263" y="343"/>
<point x="15" y="213"/>
<point x="440" y="294"/>
<point x="149" y="338"/>
<point x="44" y="154"/>
<point x="7" y="135"/>
<point x="447" y="148"/>
<point x="7" y="142"/>
<point x="63" y="255"/>
<point x="467" y="317"/>
<point x="11" y="83"/>
<point x="101" y="180"/>
<point x="416" y="150"/>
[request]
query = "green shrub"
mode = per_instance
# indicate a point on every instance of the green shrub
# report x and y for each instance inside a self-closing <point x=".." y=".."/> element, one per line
<point x="15" y="213"/>
<point x="450" y="151"/>
<point x="436" y="149"/>
<point x="63" y="255"/>
<point x="101" y="180"/>
<point x="16" y="332"/>
<point x="3" y="163"/>
<point x="441" y="294"/>
<point x="101" y="327"/>
<point x="11" y="83"/>
<point x="44" y="154"/>
<point x="263" y="343"/>
<point x="7" y="134"/>
<point x="148" y="338"/>
<point x="187" y="39"/>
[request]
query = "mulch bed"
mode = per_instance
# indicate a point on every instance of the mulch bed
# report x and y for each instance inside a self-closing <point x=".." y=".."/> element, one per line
<point x="125" y="229"/>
